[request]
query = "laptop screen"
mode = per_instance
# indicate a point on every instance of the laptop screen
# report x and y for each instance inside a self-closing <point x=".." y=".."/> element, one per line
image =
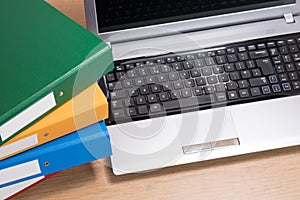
<point x="114" y="15"/>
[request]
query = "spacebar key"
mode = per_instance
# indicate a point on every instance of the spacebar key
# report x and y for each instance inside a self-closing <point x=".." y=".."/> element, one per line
<point x="188" y="102"/>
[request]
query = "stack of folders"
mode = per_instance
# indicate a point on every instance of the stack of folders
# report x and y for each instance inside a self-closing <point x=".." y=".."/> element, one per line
<point x="52" y="109"/>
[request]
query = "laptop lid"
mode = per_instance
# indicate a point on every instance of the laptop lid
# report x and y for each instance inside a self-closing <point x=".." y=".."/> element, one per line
<point x="126" y="20"/>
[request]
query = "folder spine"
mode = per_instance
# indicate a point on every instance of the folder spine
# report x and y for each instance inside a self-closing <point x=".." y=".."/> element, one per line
<point x="80" y="147"/>
<point x="65" y="88"/>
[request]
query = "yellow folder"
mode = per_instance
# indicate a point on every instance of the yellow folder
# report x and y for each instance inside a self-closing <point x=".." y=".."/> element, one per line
<point x="88" y="107"/>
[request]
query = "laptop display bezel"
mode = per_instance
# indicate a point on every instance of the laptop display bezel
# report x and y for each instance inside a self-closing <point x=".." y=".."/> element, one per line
<point x="186" y="25"/>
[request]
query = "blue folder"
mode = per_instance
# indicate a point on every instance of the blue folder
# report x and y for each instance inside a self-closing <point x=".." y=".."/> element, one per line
<point x="82" y="146"/>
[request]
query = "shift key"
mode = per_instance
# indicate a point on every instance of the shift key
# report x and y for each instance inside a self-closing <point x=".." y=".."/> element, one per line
<point x="266" y="66"/>
<point x="118" y="95"/>
<point x="258" y="82"/>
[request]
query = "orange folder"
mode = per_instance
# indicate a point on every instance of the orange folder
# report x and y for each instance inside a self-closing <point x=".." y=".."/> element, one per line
<point x="87" y="108"/>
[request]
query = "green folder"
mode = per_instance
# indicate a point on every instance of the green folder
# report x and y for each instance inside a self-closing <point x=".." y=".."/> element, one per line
<point x="46" y="59"/>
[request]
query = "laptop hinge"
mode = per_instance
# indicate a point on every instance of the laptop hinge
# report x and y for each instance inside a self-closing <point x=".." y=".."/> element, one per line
<point x="289" y="18"/>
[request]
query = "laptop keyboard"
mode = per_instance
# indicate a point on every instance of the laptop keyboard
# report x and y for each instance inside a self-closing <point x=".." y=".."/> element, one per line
<point x="177" y="83"/>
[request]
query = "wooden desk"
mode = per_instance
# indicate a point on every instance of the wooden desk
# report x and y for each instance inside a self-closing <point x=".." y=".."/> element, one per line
<point x="268" y="175"/>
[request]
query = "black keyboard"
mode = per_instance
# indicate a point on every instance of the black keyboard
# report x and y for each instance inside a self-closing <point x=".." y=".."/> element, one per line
<point x="177" y="83"/>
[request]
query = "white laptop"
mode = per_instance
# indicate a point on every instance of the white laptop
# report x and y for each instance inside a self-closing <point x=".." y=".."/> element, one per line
<point x="198" y="80"/>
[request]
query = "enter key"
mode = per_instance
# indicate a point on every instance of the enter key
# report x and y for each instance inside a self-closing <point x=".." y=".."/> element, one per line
<point x="266" y="66"/>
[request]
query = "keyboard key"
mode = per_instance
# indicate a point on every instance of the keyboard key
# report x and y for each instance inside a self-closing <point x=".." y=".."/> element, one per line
<point x="209" y="89"/>
<point x="129" y="102"/>
<point x="186" y="93"/>
<point x="177" y="66"/>
<point x="250" y="64"/>
<point x="118" y="95"/>
<point x="165" y="68"/>
<point x="232" y="86"/>
<point x="293" y="76"/>
<point x="283" y="78"/>
<point x="286" y="87"/>
<point x="244" y="93"/>
<point x="283" y="50"/>
<point x="185" y="75"/>
<point x="144" y="90"/>
<point x="139" y="82"/>
<point x="231" y="51"/>
<point x="266" y="66"/>
<point x="187" y="102"/>
<point x="201" y="81"/>
<point x="232" y="58"/>
<point x="223" y="78"/>
<point x="261" y="46"/>
<point x="212" y="80"/>
<point x="221" y="52"/>
<point x="240" y="66"/>
<point x="189" y="83"/>
<point x="143" y="110"/>
<point x="175" y="95"/>
<point x="190" y="57"/>
<point x="162" y="78"/>
<point x="210" y="61"/>
<point x="218" y="69"/>
<point x="258" y="82"/>
<point x="280" y="69"/>
<point x="259" y="54"/>
<point x="243" y="84"/>
<point x="206" y="71"/>
<point x="164" y="96"/>
<point x="188" y="65"/>
<point x="167" y="86"/>
<point x="246" y="74"/>
<point x="221" y="60"/>
<point x="251" y="47"/>
<point x="154" y="108"/>
<point x="232" y="95"/>
<point x="197" y="91"/>
<point x="151" y="80"/>
<point x="296" y="85"/>
<point x="171" y="60"/>
<point x="234" y="76"/>
<point x="220" y="88"/>
<point x="173" y="76"/>
<point x="132" y="112"/>
<point x="221" y="97"/>
<point x="110" y="77"/>
<point x="118" y="114"/>
<point x="229" y="67"/>
<point x="114" y="86"/>
<point x="242" y="49"/>
<point x="155" y="88"/>
<point x="255" y="91"/>
<point x="195" y="73"/>
<point x="290" y="67"/>
<point x="178" y="85"/>
<point x="273" y="79"/>
<point x="141" y="100"/>
<point x="274" y="52"/>
<point x="271" y="44"/>
<point x="276" y="88"/>
<point x="152" y="98"/>
<point x="266" y="90"/>
<point x="133" y="92"/>
<point x="116" y="104"/>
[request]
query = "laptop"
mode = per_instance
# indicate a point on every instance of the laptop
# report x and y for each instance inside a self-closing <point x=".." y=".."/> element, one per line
<point x="198" y="80"/>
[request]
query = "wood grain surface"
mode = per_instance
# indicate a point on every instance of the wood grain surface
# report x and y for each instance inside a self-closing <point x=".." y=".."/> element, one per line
<point x="267" y="176"/>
